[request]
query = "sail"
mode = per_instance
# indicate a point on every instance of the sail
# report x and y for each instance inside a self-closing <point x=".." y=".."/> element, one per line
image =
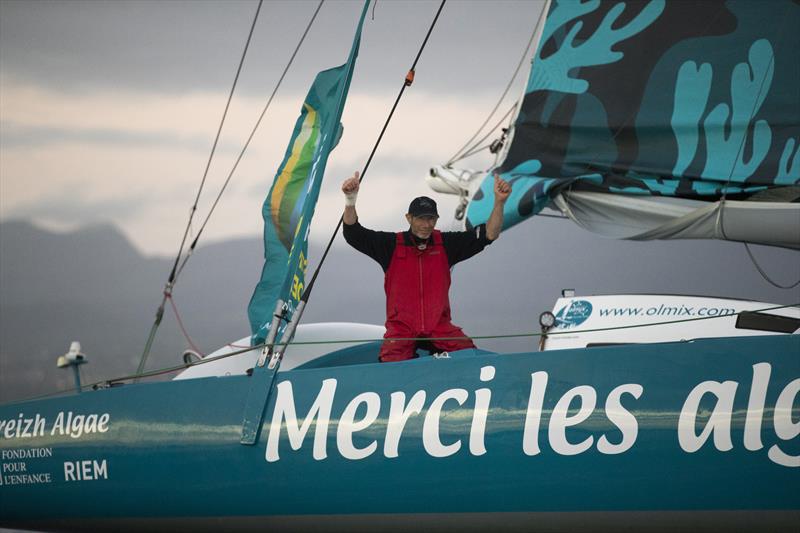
<point x="289" y="206"/>
<point x="635" y="109"/>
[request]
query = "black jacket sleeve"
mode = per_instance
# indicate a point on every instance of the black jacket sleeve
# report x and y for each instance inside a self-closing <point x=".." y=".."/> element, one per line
<point x="461" y="245"/>
<point x="379" y="245"/>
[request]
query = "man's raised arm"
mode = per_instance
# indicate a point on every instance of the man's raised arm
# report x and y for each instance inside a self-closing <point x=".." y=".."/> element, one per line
<point x="502" y="190"/>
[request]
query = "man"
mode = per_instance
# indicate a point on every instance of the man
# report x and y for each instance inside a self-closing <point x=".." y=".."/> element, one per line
<point x="417" y="265"/>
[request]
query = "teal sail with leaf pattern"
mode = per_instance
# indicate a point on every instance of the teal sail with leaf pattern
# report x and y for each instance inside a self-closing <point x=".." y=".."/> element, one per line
<point x="289" y="206"/>
<point x="692" y="101"/>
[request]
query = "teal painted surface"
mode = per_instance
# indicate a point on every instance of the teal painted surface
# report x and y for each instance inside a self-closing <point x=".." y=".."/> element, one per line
<point x="172" y="449"/>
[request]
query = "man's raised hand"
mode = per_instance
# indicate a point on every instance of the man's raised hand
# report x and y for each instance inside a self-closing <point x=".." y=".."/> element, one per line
<point x="502" y="189"/>
<point x="350" y="190"/>
<point x="351" y="184"/>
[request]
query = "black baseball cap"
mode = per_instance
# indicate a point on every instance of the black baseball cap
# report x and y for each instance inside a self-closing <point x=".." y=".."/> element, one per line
<point x="422" y="207"/>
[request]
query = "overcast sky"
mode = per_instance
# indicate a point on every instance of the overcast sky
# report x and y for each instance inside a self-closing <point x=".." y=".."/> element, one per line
<point x="109" y="109"/>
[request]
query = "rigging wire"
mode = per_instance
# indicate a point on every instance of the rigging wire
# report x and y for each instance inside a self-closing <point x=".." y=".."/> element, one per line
<point x="765" y="275"/>
<point x="475" y="147"/>
<point x="409" y="79"/>
<point x="106" y="383"/>
<point x="721" y="207"/>
<point x="458" y="155"/>
<point x="216" y="139"/>
<point x="176" y="270"/>
<point x="475" y="150"/>
<point x="172" y="275"/>
<point x="186" y="336"/>
<point x="250" y="137"/>
<point x="756" y="101"/>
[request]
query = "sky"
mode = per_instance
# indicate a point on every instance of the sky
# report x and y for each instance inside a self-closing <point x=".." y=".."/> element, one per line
<point x="108" y="110"/>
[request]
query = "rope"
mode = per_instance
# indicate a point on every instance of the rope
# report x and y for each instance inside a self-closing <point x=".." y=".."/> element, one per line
<point x="183" y="328"/>
<point x="174" y="272"/>
<point x="720" y="222"/>
<point x="216" y="138"/>
<point x="407" y="81"/>
<point x="477" y="146"/>
<point x="458" y="155"/>
<point x="252" y="134"/>
<point x="206" y="360"/>
<point x="765" y="275"/>
<point x="720" y="210"/>
<point x="232" y="345"/>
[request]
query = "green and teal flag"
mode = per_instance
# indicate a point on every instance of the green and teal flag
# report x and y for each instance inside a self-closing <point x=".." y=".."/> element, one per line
<point x="290" y="204"/>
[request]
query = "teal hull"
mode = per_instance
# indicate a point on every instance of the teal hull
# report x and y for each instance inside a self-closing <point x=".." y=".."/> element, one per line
<point x="683" y="433"/>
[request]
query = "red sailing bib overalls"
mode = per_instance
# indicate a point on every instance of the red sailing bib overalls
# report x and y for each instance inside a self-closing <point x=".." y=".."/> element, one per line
<point x="417" y="284"/>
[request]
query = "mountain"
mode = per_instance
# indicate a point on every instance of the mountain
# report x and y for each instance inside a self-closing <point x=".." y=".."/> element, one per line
<point x="93" y="286"/>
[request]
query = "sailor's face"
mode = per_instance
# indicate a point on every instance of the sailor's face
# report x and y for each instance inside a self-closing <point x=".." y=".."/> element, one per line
<point x="422" y="227"/>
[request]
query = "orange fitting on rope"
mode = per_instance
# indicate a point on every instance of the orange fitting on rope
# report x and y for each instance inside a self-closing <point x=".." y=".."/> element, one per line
<point x="410" y="78"/>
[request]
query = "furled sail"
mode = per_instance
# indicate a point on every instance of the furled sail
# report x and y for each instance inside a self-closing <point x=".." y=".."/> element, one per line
<point x="289" y="206"/>
<point x="654" y="120"/>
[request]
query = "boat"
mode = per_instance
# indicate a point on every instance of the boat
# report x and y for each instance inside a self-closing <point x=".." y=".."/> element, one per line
<point x="646" y="411"/>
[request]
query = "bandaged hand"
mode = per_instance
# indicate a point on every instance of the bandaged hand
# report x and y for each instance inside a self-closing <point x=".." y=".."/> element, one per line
<point x="350" y="189"/>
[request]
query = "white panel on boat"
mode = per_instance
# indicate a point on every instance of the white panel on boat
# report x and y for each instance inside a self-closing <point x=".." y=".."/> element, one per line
<point x="649" y="318"/>
<point x="295" y="355"/>
<point x="660" y="217"/>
